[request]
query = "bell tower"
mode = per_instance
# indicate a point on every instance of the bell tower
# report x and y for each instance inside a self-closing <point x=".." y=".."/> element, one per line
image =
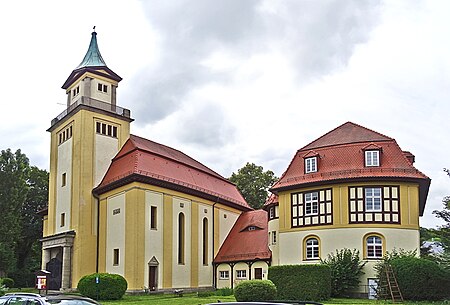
<point x="84" y="139"/>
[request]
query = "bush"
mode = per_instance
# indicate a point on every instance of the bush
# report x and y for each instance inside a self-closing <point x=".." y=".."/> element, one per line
<point x="255" y="290"/>
<point x="421" y="279"/>
<point x="346" y="270"/>
<point x="109" y="287"/>
<point x="301" y="282"/>
<point x="7" y="282"/>
<point x="224" y="291"/>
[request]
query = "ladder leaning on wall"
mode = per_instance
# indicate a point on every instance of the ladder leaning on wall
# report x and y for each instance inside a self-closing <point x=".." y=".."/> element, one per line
<point x="389" y="286"/>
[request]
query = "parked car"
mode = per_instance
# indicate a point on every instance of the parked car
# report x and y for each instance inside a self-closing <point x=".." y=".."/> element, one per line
<point x="21" y="298"/>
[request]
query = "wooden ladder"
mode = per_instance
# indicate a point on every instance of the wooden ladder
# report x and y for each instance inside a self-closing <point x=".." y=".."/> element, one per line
<point x="390" y="286"/>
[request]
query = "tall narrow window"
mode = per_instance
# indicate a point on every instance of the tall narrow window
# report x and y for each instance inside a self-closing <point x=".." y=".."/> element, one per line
<point x="312" y="248"/>
<point x="116" y="257"/>
<point x="62" y="222"/>
<point x="372" y="158"/>
<point x="311" y="165"/>
<point x="373" y="199"/>
<point x="274" y="237"/>
<point x="181" y="238"/>
<point x="311" y="203"/>
<point x="374" y="246"/>
<point x="63" y="179"/>
<point x="153" y="217"/>
<point x="205" y="241"/>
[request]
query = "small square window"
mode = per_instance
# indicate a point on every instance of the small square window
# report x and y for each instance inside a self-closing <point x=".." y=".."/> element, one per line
<point x="241" y="274"/>
<point x="372" y="158"/>
<point x="311" y="165"/>
<point x="224" y="275"/>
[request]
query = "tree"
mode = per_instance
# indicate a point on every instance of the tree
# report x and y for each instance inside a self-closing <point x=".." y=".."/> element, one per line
<point x="444" y="231"/>
<point x="253" y="182"/>
<point x="346" y="270"/>
<point x="23" y="192"/>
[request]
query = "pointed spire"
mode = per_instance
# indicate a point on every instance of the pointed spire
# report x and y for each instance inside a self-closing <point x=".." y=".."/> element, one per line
<point x="93" y="58"/>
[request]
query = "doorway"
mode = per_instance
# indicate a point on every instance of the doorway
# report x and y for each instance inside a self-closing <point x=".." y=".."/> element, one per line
<point x="258" y="273"/>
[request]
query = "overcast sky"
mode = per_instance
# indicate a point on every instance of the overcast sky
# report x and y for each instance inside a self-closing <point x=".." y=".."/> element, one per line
<point x="230" y="82"/>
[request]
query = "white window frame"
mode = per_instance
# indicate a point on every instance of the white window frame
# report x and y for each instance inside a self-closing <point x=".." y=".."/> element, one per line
<point x="372" y="158"/>
<point x="224" y="275"/>
<point x="312" y="248"/>
<point x="310" y="165"/>
<point x="311" y="203"/>
<point x="374" y="244"/>
<point x="241" y="274"/>
<point x="370" y="199"/>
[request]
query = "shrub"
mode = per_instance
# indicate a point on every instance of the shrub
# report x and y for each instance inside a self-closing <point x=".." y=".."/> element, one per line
<point x="421" y="279"/>
<point x="255" y="290"/>
<point x="346" y="270"/>
<point x="3" y="289"/>
<point x="224" y="291"/>
<point x="7" y="282"/>
<point x="301" y="282"/>
<point x="109" y="286"/>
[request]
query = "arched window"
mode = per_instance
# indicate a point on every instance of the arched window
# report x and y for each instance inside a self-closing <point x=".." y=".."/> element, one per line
<point x="312" y="248"/>
<point x="205" y="241"/>
<point x="181" y="242"/>
<point x="374" y="246"/>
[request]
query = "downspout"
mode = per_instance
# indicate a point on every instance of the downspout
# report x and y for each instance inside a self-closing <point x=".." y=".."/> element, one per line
<point x="212" y="248"/>
<point x="98" y="231"/>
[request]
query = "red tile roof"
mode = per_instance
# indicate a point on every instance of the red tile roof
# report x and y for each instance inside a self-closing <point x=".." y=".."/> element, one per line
<point x="242" y="244"/>
<point x="272" y="200"/>
<point x="341" y="157"/>
<point x="150" y="162"/>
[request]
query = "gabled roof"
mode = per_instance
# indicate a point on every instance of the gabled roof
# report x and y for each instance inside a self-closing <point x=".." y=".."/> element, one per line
<point x="341" y="157"/>
<point x="272" y="200"/>
<point x="242" y="244"/>
<point x="149" y="162"/>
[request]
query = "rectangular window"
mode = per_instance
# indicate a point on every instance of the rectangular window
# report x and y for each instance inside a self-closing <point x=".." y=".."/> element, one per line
<point x="114" y="132"/>
<point x="241" y="274"/>
<point x="373" y="199"/>
<point x="63" y="179"/>
<point x="372" y="158"/>
<point x="311" y="203"/>
<point x="104" y="128"/>
<point x="62" y="220"/>
<point x="274" y="237"/>
<point x="153" y="217"/>
<point x="116" y="257"/>
<point x="272" y="213"/>
<point x="224" y="275"/>
<point x="311" y="165"/>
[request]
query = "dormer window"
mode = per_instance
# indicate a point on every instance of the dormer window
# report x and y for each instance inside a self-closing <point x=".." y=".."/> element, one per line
<point x="372" y="157"/>
<point x="311" y="165"/>
<point x="251" y="228"/>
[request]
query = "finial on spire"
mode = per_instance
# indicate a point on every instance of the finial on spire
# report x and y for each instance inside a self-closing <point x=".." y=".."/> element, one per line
<point x="94" y="28"/>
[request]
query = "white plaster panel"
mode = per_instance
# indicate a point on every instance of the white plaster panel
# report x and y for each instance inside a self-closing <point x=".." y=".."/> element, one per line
<point x="224" y="283"/>
<point x="154" y="237"/>
<point x="99" y="95"/>
<point x="64" y="193"/>
<point x="181" y="273"/>
<point x="226" y="222"/>
<point x="205" y="271"/>
<point x="105" y="149"/>
<point x="274" y="225"/>
<point x="115" y="237"/>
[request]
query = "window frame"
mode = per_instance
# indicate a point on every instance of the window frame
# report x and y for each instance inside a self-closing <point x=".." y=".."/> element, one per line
<point x="369" y="199"/>
<point x="374" y="246"/>
<point x="241" y="274"/>
<point x="369" y="159"/>
<point x="312" y="251"/>
<point x="311" y="205"/>
<point x="116" y="257"/>
<point x="153" y="217"/>
<point x="311" y="165"/>
<point x="224" y="274"/>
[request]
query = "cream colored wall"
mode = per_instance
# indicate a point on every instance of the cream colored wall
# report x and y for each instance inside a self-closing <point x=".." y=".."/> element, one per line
<point x="63" y="193"/>
<point x="205" y="271"/>
<point x="154" y="237"/>
<point x="264" y="266"/>
<point x="181" y="273"/>
<point x="105" y="149"/>
<point x="226" y="222"/>
<point x="224" y="283"/>
<point x="273" y="225"/>
<point x="115" y="237"/>
<point x="99" y="95"/>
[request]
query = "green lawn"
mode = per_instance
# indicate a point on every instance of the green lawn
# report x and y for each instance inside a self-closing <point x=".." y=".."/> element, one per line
<point x="192" y="299"/>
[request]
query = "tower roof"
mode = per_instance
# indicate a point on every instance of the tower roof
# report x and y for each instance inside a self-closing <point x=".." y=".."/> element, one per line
<point x="93" y="58"/>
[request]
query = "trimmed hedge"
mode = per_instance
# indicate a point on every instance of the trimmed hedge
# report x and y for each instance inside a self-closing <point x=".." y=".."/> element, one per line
<point x="421" y="279"/>
<point x="109" y="287"/>
<point x="301" y="282"/>
<point x="255" y="290"/>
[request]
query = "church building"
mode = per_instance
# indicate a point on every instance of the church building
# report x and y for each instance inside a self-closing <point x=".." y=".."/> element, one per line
<point x="119" y="203"/>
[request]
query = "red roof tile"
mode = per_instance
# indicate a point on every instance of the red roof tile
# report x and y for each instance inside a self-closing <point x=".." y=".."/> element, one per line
<point x="147" y="161"/>
<point x="244" y="245"/>
<point x="341" y="156"/>
<point x="273" y="199"/>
